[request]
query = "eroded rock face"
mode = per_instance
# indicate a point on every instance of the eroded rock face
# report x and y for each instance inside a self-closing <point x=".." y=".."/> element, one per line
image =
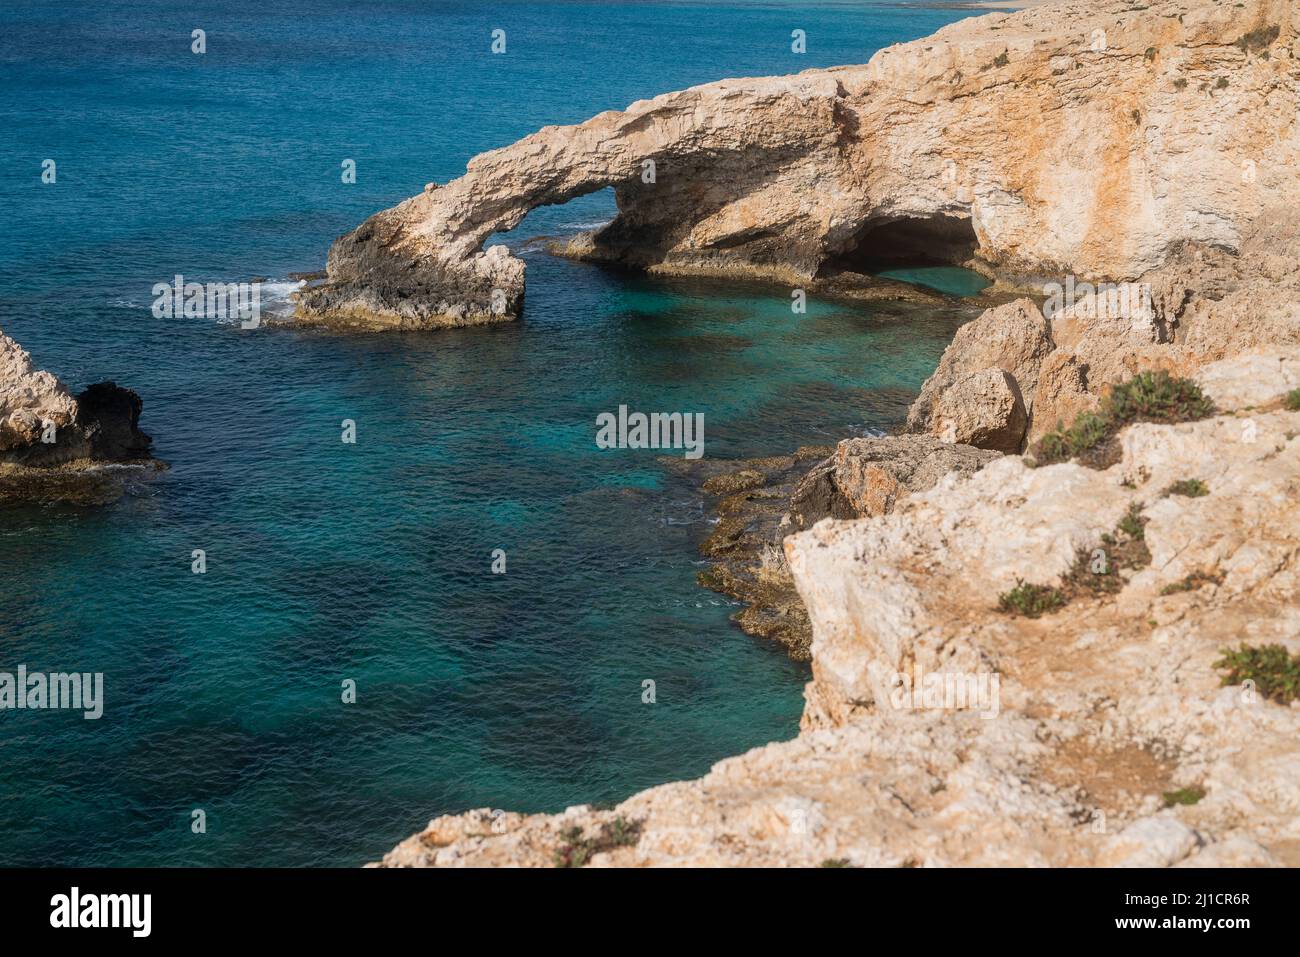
<point x="53" y="446"/>
<point x="1202" y="306"/>
<point x="1092" y="137"/>
<point x="868" y="477"/>
<point x="764" y="500"/>
<point x="1100" y="708"/>
<point x="29" y="398"/>
<point x="982" y="409"/>
<point x="1014" y="338"/>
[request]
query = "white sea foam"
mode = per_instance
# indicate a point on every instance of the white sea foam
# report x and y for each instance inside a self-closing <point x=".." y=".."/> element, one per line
<point x="586" y="226"/>
<point x="277" y="295"/>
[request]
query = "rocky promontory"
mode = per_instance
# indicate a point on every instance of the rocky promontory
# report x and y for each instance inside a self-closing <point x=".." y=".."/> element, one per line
<point x="57" y="447"/>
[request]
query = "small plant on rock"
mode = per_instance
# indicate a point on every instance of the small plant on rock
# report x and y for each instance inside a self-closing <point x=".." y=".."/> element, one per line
<point x="1156" y="397"/>
<point x="1133" y="524"/>
<point x="1097" y="572"/>
<point x="1189" y="488"/>
<point x="578" y="849"/>
<point x="1031" y="601"/>
<point x="1273" y="670"/>
<point x="1291" y="401"/>
<point x="1147" y="397"/>
<point x="1061" y="445"/>
<point x="1184" y="796"/>
<point x="1192" y="582"/>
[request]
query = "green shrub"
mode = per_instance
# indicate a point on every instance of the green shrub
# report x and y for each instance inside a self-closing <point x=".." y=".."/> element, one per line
<point x="1192" y="582"/>
<point x="1133" y="524"/>
<point x="1185" y="796"/>
<point x="1291" y="401"/>
<point x="1087" y="432"/>
<point x="577" y="849"/>
<point x="1189" y="488"/>
<point x="1156" y="397"/>
<point x="1126" y="548"/>
<point x="1275" y="673"/>
<point x="1147" y="397"/>
<point x="1032" y="601"/>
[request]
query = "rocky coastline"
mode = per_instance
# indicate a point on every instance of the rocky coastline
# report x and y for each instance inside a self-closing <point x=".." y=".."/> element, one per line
<point x="1087" y="523"/>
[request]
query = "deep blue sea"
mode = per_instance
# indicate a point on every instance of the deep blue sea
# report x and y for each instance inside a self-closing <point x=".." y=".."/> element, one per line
<point x="372" y="561"/>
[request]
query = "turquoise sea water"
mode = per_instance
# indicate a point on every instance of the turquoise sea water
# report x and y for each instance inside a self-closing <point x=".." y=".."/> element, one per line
<point x="371" y="561"/>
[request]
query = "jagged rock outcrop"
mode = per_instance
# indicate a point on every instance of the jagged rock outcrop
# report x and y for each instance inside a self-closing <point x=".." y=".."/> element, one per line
<point x="761" y="501"/>
<point x="29" y="398"/>
<point x="1014" y="338"/>
<point x="1202" y="306"/>
<point x="1100" y="711"/>
<point x="1095" y="138"/>
<point x="983" y="409"/>
<point x="54" y="446"/>
<point x="868" y="477"/>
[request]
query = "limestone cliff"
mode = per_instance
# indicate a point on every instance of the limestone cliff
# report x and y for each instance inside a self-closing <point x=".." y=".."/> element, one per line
<point x="1095" y="138"/>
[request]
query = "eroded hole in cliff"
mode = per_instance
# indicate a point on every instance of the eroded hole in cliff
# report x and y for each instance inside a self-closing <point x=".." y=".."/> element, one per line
<point x="909" y="241"/>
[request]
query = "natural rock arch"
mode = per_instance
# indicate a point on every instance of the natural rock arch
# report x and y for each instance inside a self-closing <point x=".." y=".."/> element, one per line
<point x="1015" y="130"/>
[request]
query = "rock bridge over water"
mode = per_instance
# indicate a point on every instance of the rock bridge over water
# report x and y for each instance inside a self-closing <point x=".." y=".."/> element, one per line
<point x="1034" y="144"/>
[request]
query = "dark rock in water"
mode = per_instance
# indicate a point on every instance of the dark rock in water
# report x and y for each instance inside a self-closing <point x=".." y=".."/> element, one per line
<point x="737" y="481"/>
<point x="747" y="564"/>
<point x="104" y="428"/>
<point x="307" y="276"/>
<point x="760" y="501"/>
<point x="110" y="416"/>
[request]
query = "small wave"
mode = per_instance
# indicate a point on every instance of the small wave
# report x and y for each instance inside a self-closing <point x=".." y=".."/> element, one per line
<point x="274" y="295"/>
<point x="277" y="295"/>
<point x="586" y="226"/>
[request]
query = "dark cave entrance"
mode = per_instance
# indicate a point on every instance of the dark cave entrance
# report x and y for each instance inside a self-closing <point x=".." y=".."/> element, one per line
<point x="887" y="244"/>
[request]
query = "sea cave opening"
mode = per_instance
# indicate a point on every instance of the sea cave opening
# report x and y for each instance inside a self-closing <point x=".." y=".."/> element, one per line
<point x="909" y="242"/>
